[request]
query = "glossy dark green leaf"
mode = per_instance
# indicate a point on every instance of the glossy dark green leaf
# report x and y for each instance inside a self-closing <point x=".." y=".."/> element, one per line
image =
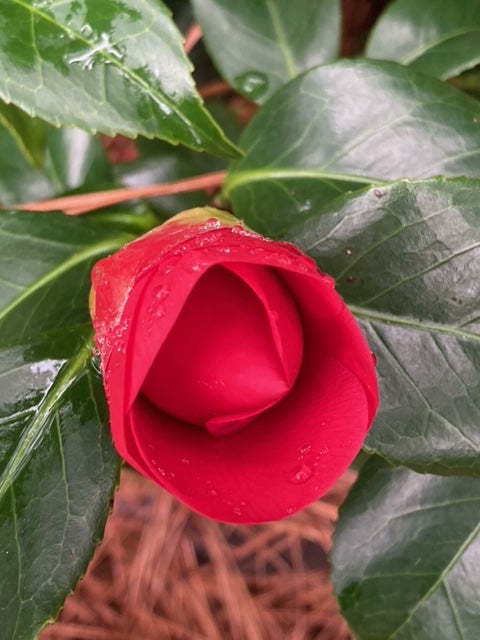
<point x="29" y="133"/>
<point x="115" y="66"/>
<point x="406" y="554"/>
<point x="347" y="124"/>
<point x="441" y="37"/>
<point x="406" y="258"/>
<point x="72" y="158"/>
<point x="260" y="46"/>
<point x="58" y="467"/>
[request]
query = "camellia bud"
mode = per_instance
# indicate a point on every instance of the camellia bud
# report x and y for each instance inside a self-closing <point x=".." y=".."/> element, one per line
<point x="236" y="377"/>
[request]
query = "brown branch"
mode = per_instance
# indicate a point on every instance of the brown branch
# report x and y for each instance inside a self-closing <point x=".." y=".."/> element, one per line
<point x="215" y="89"/>
<point x="192" y="36"/>
<point x="78" y="204"/>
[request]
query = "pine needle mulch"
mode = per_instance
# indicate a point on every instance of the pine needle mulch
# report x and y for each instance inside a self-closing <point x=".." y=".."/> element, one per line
<point x="165" y="573"/>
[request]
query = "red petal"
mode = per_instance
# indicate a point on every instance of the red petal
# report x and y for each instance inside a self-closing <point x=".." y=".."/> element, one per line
<point x="278" y="464"/>
<point x="219" y="365"/>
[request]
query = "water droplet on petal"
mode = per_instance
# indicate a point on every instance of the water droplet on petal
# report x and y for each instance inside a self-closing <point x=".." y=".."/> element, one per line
<point x="159" y="311"/>
<point x="185" y="461"/>
<point x="290" y="511"/>
<point x="237" y="511"/>
<point x="161" y="292"/>
<point x="305" y="449"/>
<point x="301" y="474"/>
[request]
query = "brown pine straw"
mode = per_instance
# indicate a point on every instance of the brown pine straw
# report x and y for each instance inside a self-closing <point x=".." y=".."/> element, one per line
<point x="166" y="573"/>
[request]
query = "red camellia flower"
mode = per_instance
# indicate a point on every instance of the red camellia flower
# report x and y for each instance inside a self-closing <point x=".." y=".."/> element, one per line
<point x="235" y="375"/>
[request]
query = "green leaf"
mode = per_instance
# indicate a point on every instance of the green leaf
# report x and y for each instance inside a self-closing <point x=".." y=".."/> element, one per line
<point x="441" y="37"/>
<point x="347" y="124"/>
<point x="72" y="159"/>
<point x="30" y="134"/>
<point x="58" y="467"/>
<point x="112" y="66"/>
<point x="406" y="259"/>
<point x="269" y="42"/>
<point x="405" y="556"/>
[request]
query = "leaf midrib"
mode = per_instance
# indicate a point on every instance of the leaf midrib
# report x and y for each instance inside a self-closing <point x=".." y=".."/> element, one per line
<point x="290" y="66"/>
<point x="411" y="323"/>
<point x="239" y="178"/>
<point x="440" y="580"/>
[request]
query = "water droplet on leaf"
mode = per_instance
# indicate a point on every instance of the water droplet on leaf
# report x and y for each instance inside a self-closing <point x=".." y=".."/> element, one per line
<point x="103" y="52"/>
<point x="252" y="83"/>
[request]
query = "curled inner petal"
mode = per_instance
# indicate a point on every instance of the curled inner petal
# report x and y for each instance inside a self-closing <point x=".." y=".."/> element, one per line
<point x="234" y="351"/>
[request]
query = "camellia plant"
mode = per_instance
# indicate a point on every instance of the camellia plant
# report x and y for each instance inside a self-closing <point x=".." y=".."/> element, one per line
<point x="331" y="211"/>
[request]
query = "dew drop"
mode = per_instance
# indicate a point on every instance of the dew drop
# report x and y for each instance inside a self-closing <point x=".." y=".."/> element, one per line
<point x="306" y="206"/>
<point x="86" y="30"/>
<point x="237" y="511"/>
<point x="350" y="279"/>
<point x="159" y="311"/>
<point x="161" y="292"/>
<point x="274" y="315"/>
<point x="329" y="281"/>
<point x="304" y="450"/>
<point x="301" y="474"/>
<point x="90" y="57"/>
<point x="211" y="489"/>
<point x="252" y="83"/>
<point x="378" y="194"/>
<point x="185" y="461"/>
<point x="290" y="511"/>
<point x="348" y="252"/>
<point x="213" y="223"/>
